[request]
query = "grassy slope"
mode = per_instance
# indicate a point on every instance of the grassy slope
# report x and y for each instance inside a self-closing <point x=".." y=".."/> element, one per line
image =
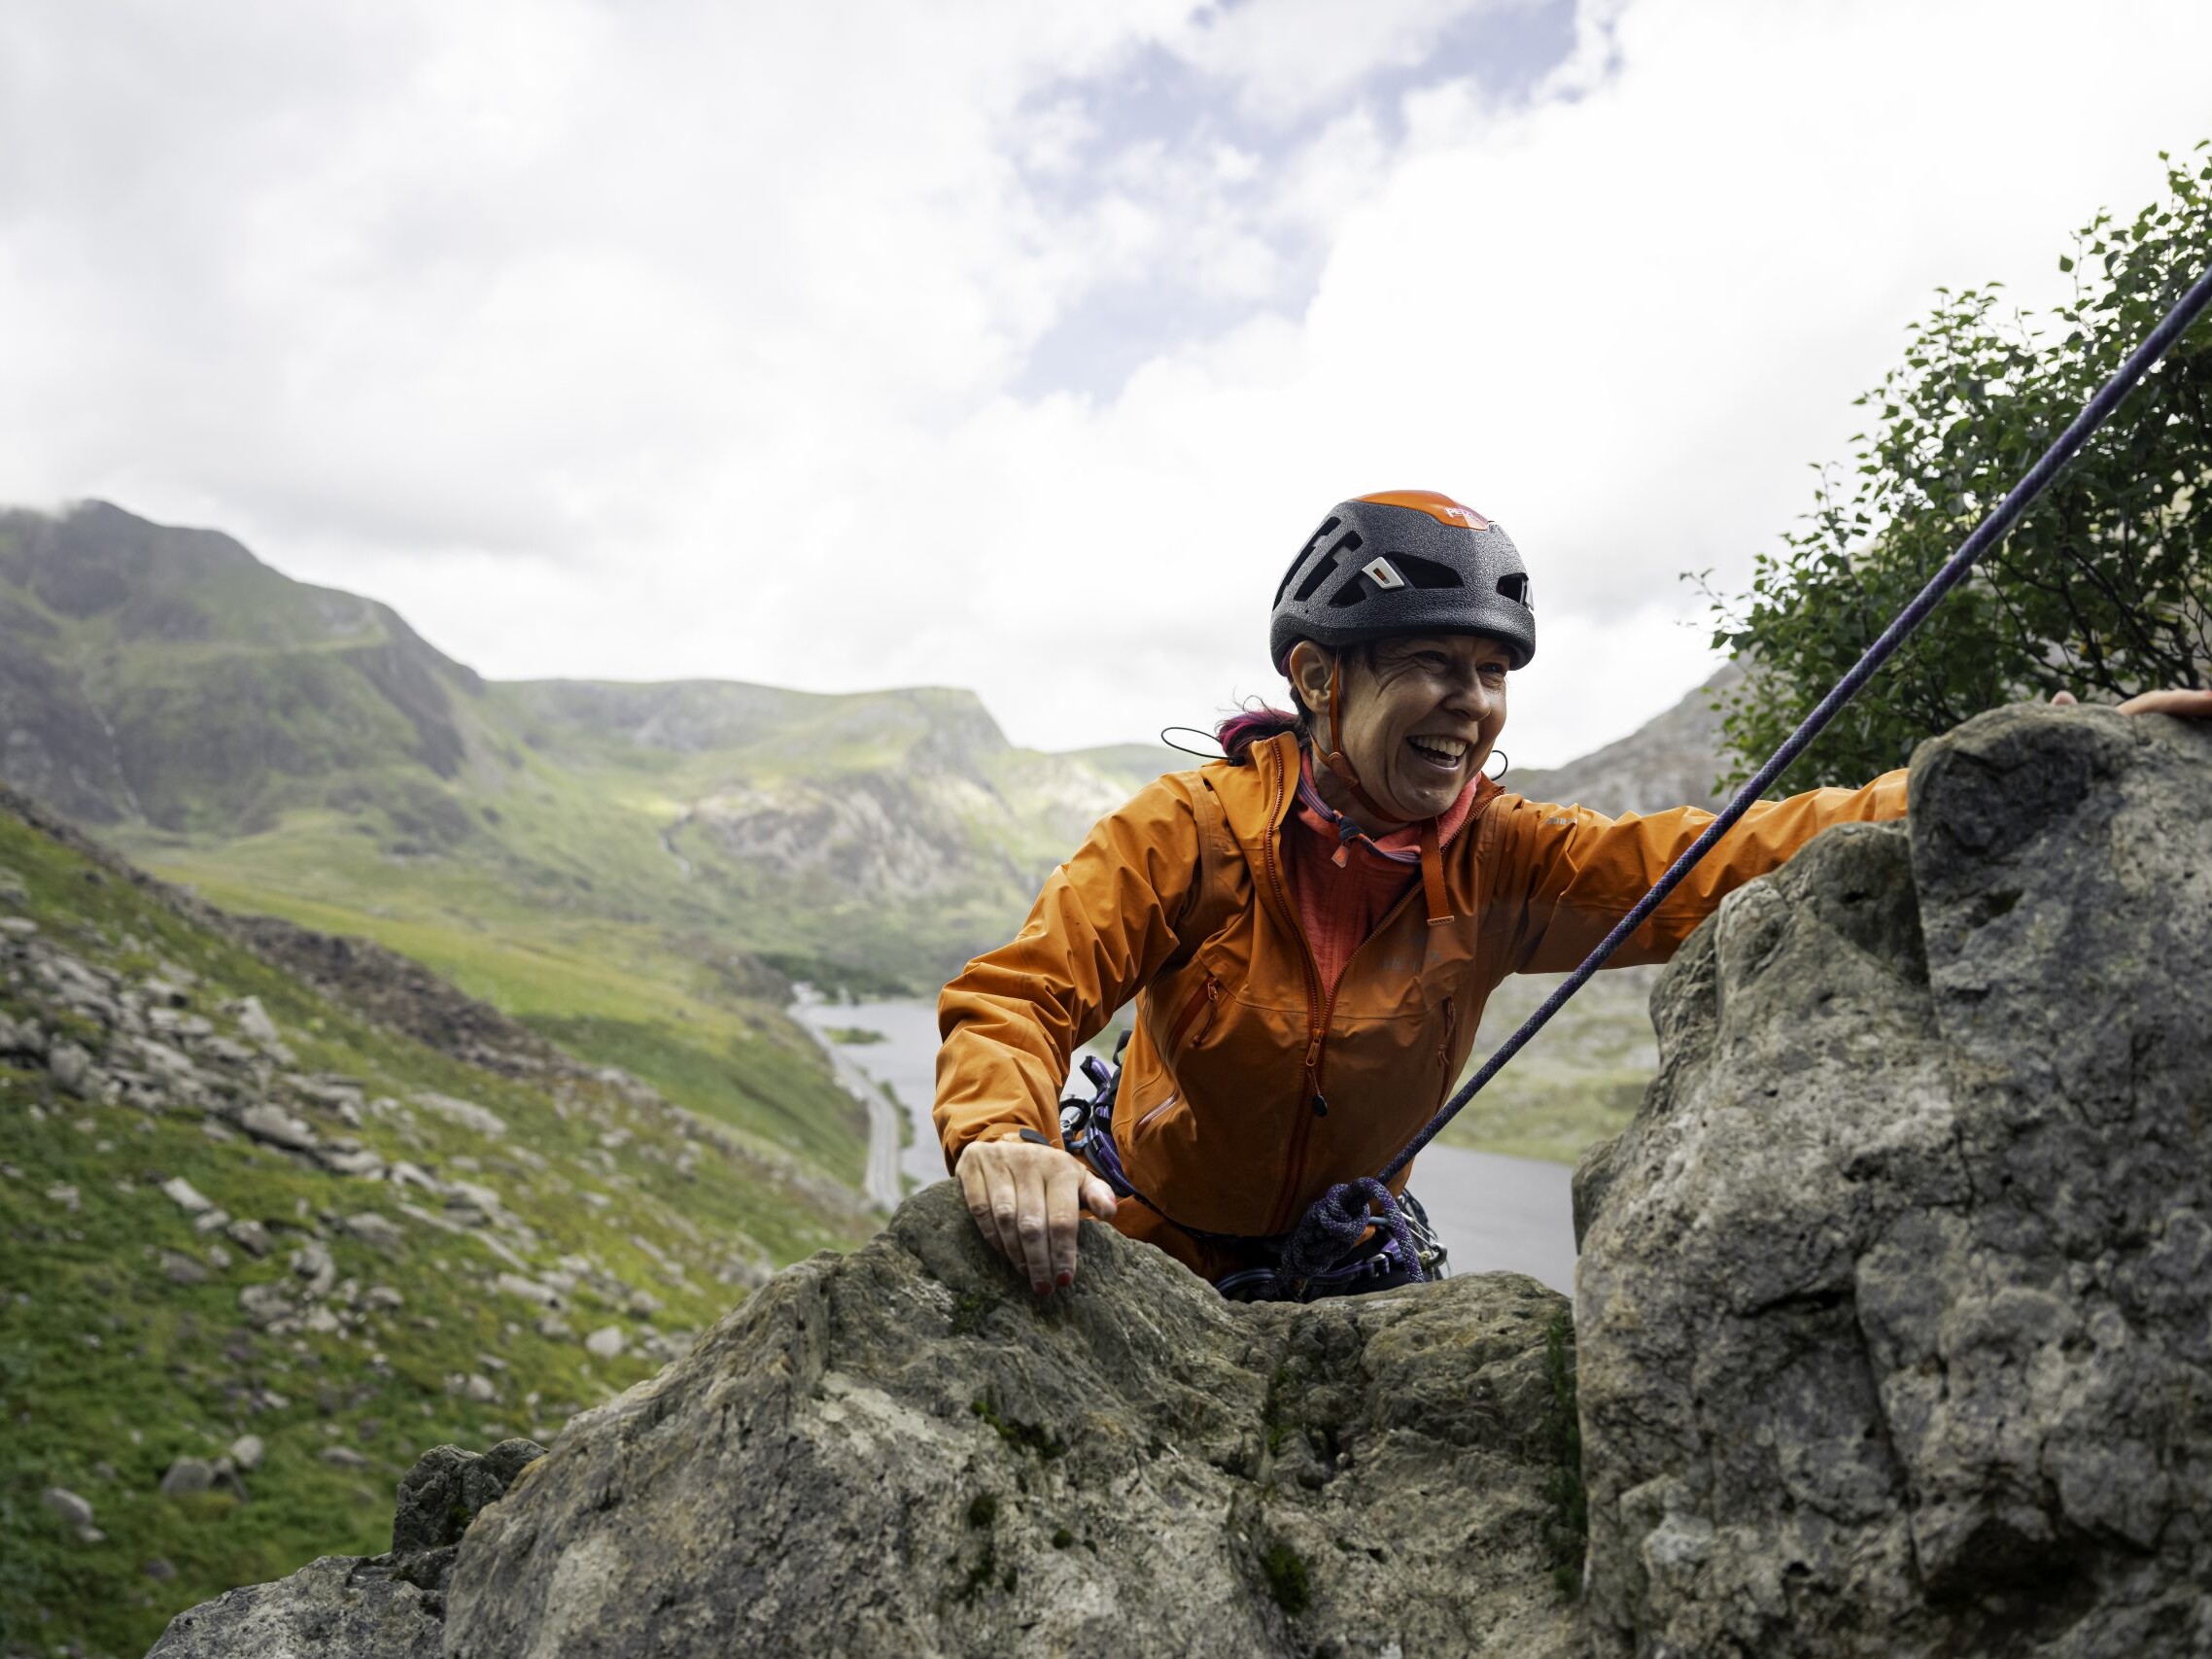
<point x="582" y="856"/>
<point x="569" y="904"/>
<point x="612" y="971"/>
<point x="297" y="750"/>
<point x="1579" y="1081"/>
<point x="110" y="1370"/>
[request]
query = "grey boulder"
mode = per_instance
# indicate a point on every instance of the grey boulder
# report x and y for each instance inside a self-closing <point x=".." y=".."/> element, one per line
<point x="336" y="1607"/>
<point x="1896" y="1297"/>
<point x="903" y="1451"/>
<point x="384" y="1606"/>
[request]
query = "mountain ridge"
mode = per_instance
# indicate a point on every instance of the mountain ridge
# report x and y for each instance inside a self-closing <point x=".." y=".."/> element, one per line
<point x="635" y="871"/>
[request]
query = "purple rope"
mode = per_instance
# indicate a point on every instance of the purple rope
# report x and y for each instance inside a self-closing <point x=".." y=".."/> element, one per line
<point x="1986" y="535"/>
<point x="1338" y="1222"/>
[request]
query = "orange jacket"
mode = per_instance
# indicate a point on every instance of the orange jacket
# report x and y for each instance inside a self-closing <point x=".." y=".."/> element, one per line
<point x="1246" y="1093"/>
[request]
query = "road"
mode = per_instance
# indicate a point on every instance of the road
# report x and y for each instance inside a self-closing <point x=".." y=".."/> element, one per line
<point x="883" y="1184"/>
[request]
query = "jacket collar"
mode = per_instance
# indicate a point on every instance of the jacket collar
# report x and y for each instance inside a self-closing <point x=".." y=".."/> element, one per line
<point x="1258" y="796"/>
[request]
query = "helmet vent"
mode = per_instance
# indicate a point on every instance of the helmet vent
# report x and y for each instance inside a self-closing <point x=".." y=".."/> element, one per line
<point x="1515" y="588"/>
<point x="1304" y="553"/>
<point x="1359" y="587"/>
<point x="1426" y="572"/>
<point x="1326" y="565"/>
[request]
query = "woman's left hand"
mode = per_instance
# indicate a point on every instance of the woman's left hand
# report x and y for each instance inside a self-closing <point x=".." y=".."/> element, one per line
<point x="2188" y="704"/>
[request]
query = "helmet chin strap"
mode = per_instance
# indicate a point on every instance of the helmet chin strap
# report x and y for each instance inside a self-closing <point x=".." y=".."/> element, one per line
<point x="1432" y="838"/>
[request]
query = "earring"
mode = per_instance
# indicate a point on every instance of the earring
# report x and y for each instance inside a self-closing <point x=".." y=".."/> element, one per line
<point x="1503" y="766"/>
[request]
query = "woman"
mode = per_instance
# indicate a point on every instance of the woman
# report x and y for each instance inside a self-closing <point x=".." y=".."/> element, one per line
<point x="1310" y="927"/>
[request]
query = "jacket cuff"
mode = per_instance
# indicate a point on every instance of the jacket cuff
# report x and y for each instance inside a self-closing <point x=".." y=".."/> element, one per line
<point x="1001" y="1130"/>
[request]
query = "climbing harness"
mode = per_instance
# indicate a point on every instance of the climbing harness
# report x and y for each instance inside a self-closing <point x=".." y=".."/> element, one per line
<point x="1405" y="1251"/>
<point x="1343" y="1215"/>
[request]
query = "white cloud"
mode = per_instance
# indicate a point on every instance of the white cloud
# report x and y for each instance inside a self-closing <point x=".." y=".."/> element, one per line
<point x="647" y="341"/>
<point x="1290" y="58"/>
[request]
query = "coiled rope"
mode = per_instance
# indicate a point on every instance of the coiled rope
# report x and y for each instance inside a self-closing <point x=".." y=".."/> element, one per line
<point x="1316" y="1233"/>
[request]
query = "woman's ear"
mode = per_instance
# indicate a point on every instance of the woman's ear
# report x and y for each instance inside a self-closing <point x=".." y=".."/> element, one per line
<point x="1308" y="668"/>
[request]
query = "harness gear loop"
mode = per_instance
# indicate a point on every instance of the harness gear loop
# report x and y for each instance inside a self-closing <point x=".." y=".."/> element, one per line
<point x="1404" y="1249"/>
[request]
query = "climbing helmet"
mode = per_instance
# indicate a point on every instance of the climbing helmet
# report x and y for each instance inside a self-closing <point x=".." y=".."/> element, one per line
<point x="1403" y="562"/>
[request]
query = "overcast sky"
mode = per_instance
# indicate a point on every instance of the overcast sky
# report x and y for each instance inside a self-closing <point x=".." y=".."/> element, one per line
<point x="1015" y="346"/>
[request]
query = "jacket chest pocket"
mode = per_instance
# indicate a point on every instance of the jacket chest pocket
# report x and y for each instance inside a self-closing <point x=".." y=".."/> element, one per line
<point x="1194" y="1020"/>
<point x="1191" y="1022"/>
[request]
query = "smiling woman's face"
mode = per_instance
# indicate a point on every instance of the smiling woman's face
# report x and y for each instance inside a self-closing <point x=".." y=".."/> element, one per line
<point x="1420" y="712"/>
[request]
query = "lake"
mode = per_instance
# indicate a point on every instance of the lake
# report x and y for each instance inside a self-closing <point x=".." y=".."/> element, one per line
<point x="1493" y="1213"/>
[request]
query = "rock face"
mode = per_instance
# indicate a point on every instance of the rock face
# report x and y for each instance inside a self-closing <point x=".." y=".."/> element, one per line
<point x="1896" y="1299"/>
<point x="383" y="1606"/>
<point x="901" y="1452"/>
<point x="336" y="1606"/>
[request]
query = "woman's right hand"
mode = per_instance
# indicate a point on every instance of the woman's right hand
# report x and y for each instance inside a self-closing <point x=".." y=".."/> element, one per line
<point x="1026" y="1199"/>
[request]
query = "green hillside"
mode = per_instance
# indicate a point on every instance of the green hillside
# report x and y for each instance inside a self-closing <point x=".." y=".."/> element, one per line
<point x="232" y="1206"/>
<point x="636" y="871"/>
<point x="1580" y="1080"/>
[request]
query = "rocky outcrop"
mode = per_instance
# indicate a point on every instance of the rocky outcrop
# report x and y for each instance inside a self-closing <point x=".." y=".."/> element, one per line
<point x="903" y="1452"/>
<point x="337" y="1606"/>
<point x="388" y="1607"/>
<point x="400" y="992"/>
<point x="1896" y="1299"/>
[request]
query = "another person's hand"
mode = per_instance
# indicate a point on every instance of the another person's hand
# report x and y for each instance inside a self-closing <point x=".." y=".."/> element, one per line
<point x="1026" y="1199"/>
<point x="2188" y="704"/>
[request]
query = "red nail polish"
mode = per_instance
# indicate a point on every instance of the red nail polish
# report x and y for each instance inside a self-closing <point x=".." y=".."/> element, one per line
<point x="1066" y="1279"/>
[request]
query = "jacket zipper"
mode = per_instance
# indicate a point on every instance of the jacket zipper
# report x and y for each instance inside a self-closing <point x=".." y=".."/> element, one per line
<point x="1145" y="1121"/>
<point x="1320" y="1010"/>
<point x="1301" y="1126"/>
<point x="1205" y="998"/>
<point x="1317" y="1046"/>
<point x="1451" y="1022"/>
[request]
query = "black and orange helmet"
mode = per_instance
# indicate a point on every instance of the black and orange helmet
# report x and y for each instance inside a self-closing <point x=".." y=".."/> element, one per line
<point x="1403" y="562"/>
